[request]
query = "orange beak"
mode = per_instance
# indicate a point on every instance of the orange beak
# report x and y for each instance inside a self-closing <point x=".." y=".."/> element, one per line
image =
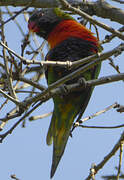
<point x="33" y="27"/>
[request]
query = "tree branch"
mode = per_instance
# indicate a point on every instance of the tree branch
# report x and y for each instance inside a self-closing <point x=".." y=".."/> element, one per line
<point x="120" y="159"/>
<point x="108" y="156"/>
<point x="37" y="3"/>
<point x="103" y="9"/>
<point x="93" y="21"/>
<point x="78" y="123"/>
<point x="2" y="136"/>
<point x="100" y="57"/>
<point x="99" y="8"/>
<point x="13" y="17"/>
<point x="55" y="90"/>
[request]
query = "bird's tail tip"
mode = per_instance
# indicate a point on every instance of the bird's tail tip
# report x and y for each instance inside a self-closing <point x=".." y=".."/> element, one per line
<point x="56" y="160"/>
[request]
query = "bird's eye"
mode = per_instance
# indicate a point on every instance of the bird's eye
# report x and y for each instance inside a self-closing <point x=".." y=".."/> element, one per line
<point x="41" y="13"/>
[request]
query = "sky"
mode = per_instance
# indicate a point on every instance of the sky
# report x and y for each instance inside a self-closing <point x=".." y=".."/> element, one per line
<point x="25" y="152"/>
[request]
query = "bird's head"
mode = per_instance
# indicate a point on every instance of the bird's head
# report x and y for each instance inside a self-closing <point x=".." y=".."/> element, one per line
<point x="42" y="22"/>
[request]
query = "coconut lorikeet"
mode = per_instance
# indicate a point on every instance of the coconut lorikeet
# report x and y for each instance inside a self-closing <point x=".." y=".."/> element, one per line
<point x="68" y="40"/>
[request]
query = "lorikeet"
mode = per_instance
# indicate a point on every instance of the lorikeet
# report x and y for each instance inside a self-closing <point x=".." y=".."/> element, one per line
<point x="68" y="40"/>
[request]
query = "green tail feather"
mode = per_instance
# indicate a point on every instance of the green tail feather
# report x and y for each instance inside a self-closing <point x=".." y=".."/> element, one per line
<point x="65" y="111"/>
<point x="49" y="138"/>
<point x="58" y="150"/>
<point x="60" y="138"/>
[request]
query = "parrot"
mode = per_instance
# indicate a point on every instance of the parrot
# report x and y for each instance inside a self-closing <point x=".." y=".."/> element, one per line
<point x="68" y="40"/>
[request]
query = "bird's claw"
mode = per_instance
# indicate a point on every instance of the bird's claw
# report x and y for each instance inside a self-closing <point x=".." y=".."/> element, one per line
<point x="64" y="89"/>
<point x="82" y="82"/>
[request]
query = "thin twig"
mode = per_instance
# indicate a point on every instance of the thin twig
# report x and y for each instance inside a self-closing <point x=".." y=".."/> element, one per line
<point x="112" y="177"/>
<point x="78" y="123"/>
<point x="108" y="156"/>
<point x="89" y="18"/>
<point x="98" y="113"/>
<point x="13" y="176"/>
<point x="92" y="171"/>
<point x="32" y="118"/>
<point x="98" y="57"/>
<point x="47" y="94"/>
<point x="10" y="98"/>
<point x="9" y="79"/>
<point x="16" y="22"/>
<point x="3" y="136"/>
<point x="120" y="109"/>
<point x="120" y="159"/>
<point x="102" y="127"/>
<point x="12" y="116"/>
<point x="18" y="56"/>
<point x="34" y="84"/>
<point x="17" y="13"/>
<point x="113" y="65"/>
<point x="69" y="64"/>
<point x="119" y="1"/>
<point x="108" y="38"/>
<point x="3" y="104"/>
<point x="2" y="124"/>
<point x="55" y="90"/>
<point x="25" y="91"/>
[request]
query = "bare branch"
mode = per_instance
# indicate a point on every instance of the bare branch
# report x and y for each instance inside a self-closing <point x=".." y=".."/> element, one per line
<point x="108" y="156"/>
<point x="108" y="38"/>
<point x="120" y="159"/>
<point x="104" y="10"/>
<point x="101" y="127"/>
<point x="53" y="89"/>
<point x="10" y="98"/>
<point x="119" y="1"/>
<point x="13" y="17"/>
<point x="32" y="118"/>
<point x="78" y="123"/>
<point x="3" y="136"/>
<point x="34" y="84"/>
<point x="120" y="109"/>
<point x="7" y="71"/>
<point x="100" y="57"/>
<point x="89" y="18"/>
<point x="18" y="56"/>
<point x="13" y="176"/>
<point x="99" y="113"/>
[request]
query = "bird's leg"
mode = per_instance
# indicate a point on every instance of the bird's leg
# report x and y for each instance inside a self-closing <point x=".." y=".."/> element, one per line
<point x="64" y="90"/>
<point x="82" y="82"/>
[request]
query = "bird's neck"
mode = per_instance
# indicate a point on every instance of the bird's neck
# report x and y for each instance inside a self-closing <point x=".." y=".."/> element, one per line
<point x="70" y="28"/>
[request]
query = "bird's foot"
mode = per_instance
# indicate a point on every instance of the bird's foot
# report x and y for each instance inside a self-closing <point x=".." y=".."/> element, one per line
<point x="64" y="90"/>
<point x="82" y="82"/>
